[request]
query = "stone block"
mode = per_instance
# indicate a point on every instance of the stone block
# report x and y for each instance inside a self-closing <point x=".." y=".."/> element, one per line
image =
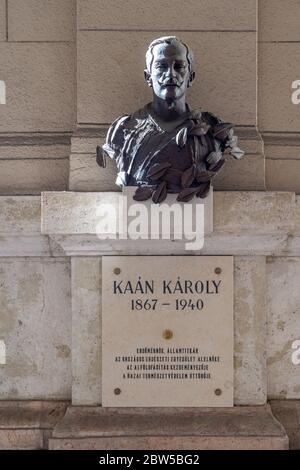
<point x="171" y="443"/>
<point x="31" y="414"/>
<point x="288" y="414"/>
<point x="27" y="424"/>
<point x="109" y="86"/>
<point x="2" y="20"/>
<point x="36" y="328"/>
<point x="270" y="212"/>
<point x="17" y="146"/>
<point x="283" y="174"/>
<point x="78" y="213"/>
<point x="31" y="176"/>
<point x="70" y="212"/>
<point x="247" y="174"/>
<point x="33" y="20"/>
<point x="86" y="330"/>
<point x="278" y="21"/>
<point x="21" y="439"/>
<point x="143" y="14"/>
<point x="245" y="223"/>
<point x="278" y="69"/>
<point x="40" y="89"/>
<point x="250" y="385"/>
<point x="86" y="175"/>
<point x="238" y="428"/>
<point x="283" y="300"/>
<point x="20" y="214"/>
<point x="297" y="215"/>
<point x="282" y="151"/>
<point x="20" y="228"/>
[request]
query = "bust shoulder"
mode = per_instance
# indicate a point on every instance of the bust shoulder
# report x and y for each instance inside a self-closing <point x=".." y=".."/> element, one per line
<point x="211" y="119"/>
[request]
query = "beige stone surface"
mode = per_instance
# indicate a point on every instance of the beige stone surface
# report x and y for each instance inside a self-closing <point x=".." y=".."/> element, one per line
<point x="33" y="151"/>
<point x="278" y="20"/>
<point x="143" y="14"/>
<point x="262" y="212"/>
<point x="68" y="212"/>
<point x="21" y="439"/>
<point x="36" y="20"/>
<point x="282" y="151"/>
<point x="78" y="213"/>
<point x="269" y="228"/>
<point x="286" y="146"/>
<point x="2" y="20"/>
<point x="28" y="424"/>
<point x="86" y="330"/>
<point x="19" y="245"/>
<point x="247" y="174"/>
<point x="283" y="174"/>
<point x="169" y="428"/>
<point x="109" y="86"/>
<point x="277" y="70"/>
<point x="31" y="176"/>
<point x="20" y="214"/>
<point x="36" y="328"/>
<point x="86" y="175"/>
<point x="288" y="413"/>
<point x="31" y="414"/>
<point x="20" y="228"/>
<point x="47" y="145"/>
<point x="85" y="139"/>
<point x="283" y="300"/>
<point x="171" y="443"/>
<point x="250" y="384"/>
<point x="40" y="87"/>
<point x="297" y="215"/>
<point x="195" y="333"/>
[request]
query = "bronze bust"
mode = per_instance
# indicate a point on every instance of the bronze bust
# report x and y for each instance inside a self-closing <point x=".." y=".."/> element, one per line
<point x="166" y="147"/>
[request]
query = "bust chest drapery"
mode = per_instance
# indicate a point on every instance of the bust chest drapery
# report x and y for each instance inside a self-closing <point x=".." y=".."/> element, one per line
<point x="139" y="141"/>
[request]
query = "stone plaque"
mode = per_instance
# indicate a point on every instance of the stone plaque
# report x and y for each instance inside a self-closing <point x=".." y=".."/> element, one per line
<point x="167" y="331"/>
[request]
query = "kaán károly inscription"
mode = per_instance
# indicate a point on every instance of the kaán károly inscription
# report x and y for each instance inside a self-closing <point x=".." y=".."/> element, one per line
<point x="167" y="327"/>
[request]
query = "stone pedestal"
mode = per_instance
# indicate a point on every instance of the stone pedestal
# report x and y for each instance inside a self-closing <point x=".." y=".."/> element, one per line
<point x="28" y="425"/>
<point x="240" y="428"/>
<point x="253" y="227"/>
<point x="288" y="413"/>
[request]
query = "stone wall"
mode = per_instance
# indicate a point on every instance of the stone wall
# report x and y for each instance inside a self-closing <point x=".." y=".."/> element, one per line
<point x="278" y="68"/>
<point x="37" y="63"/>
<point x="70" y="67"/>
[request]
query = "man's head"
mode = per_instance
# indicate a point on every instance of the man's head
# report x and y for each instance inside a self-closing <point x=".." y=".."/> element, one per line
<point x="169" y="69"/>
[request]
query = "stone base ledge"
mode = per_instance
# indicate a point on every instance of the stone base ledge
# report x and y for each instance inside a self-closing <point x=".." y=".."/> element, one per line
<point x="26" y="425"/>
<point x="244" y="223"/>
<point x="238" y="428"/>
<point x="288" y="413"/>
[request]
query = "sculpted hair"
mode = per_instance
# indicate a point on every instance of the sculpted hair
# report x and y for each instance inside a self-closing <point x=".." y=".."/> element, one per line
<point x="168" y="40"/>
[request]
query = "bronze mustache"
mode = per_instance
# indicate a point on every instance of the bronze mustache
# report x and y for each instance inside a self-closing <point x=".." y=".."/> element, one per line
<point x="170" y="83"/>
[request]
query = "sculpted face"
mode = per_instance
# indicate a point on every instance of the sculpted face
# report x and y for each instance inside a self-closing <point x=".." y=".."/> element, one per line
<point x="170" y="75"/>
